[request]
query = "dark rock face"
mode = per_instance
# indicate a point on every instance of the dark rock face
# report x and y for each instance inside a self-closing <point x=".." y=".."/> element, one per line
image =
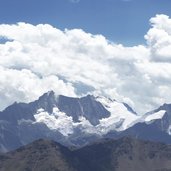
<point x="17" y="112"/>
<point x="87" y="106"/>
<point x="129" y="108"/>
<point x="47" y="101"/>
<point x="106" y="155"/>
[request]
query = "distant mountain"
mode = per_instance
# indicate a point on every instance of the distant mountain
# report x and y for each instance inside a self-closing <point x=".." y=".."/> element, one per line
<point x="70" y="121"/>
<point x="79" y="121"/>
<point x="154" y="126"/>
<point x="125" y="154"/>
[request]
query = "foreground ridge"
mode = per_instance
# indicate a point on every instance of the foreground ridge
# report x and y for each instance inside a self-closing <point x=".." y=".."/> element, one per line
<point x="106" y="155"/>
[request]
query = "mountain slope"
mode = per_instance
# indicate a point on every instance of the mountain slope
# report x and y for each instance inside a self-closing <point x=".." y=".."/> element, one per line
<point x="70" y="121"/>
<point x="41" y="155"/>
<point x="106" y="155"/>
<point x="154" y="126"/>
<point x="79" y="121"/>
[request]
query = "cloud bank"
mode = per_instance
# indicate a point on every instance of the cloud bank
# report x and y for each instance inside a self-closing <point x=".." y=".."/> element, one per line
<point x="38" y="58"/>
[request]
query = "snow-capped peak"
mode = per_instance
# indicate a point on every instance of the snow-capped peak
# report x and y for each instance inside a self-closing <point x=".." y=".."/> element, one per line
<point x="119" y="119"/>
<point x="119" y="114"/>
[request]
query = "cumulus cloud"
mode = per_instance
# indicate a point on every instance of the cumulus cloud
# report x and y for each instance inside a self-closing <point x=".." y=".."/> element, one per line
<point x="38" y="58"/>
<point x="24" y="85"/>
<point x="159" y="38"/>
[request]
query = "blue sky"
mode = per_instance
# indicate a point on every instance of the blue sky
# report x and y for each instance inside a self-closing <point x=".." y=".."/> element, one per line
<point x="121" y="21"/>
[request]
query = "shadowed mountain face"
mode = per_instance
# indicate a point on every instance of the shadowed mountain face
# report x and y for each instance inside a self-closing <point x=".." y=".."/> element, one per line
<point x="86" y="106"/>
<point x="125" y="154"/>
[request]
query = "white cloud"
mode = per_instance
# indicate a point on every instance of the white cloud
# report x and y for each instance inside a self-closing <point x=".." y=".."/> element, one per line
<point x="24" y="85"/>
<point x="41" y="58"/>
<point x="159" y="38"/>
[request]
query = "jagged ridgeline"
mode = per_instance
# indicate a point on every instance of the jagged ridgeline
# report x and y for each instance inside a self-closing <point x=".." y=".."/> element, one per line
<point x="79" y="121"/>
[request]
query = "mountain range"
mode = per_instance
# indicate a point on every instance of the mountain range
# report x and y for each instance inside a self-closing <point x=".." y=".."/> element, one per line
<point x="79" y="121"/>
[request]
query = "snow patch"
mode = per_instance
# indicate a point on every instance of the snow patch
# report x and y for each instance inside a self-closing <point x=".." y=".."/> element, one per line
<point x="120" y="118"/>
<point x="169" y="130"/>
<point x="56" y="121"/>
<point x="24" y="121"/>
<point x="156" y="115"/>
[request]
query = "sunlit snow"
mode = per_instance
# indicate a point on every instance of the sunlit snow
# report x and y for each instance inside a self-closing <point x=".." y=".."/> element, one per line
<point x="154" y="116"/>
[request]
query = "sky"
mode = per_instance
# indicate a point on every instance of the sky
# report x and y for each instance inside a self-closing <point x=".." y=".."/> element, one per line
<point x="116" y="48"/>
<point x="121" y="21"/>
